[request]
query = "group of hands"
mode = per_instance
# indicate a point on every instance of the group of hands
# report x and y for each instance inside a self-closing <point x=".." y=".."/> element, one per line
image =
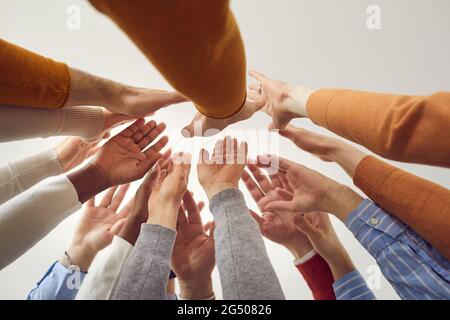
<point x="294" y="202"/>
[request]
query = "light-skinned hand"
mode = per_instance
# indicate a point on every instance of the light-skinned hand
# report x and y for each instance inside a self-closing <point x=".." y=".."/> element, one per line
<point x="72" y="151"/>
<point x="283" y="102"/>
<point x="223" y="169"/>
<point x="276" y="226"/>
<point x="193" y="256"/>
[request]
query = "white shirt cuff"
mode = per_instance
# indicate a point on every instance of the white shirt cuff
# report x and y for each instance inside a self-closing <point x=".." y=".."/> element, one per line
<point x="305" y="258"/>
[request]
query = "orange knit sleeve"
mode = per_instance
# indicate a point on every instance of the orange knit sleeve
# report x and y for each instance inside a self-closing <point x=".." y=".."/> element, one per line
<point x="196" y="45"/>
<point x="421" y="204"/>
<point x="28" y="79"/>
<point x="402" y="128"/>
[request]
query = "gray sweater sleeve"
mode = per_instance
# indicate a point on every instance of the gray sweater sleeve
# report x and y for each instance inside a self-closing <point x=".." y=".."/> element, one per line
<point x="244" y="267"/>
<point x="146" y="272"/>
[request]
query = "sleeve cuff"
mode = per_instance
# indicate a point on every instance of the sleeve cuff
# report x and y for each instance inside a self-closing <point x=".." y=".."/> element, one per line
<point x="36" y="168"/>
<point x="352" y="286"/>
<point x="230" y="199"/>
<point x="305" y="258"/>
<point x="86" y="122"/>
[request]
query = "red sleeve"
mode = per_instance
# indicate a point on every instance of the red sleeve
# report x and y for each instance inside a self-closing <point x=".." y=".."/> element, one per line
<point x="319" y="278"/>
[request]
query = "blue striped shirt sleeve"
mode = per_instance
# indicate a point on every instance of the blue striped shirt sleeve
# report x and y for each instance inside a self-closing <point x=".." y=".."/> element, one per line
<point x="58" y="283"/>
<point x="352" y="286"/>
<point x="414" y="268"/>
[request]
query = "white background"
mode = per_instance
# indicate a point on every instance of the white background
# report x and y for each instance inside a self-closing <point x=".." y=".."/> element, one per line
<point x="319" y="43"/>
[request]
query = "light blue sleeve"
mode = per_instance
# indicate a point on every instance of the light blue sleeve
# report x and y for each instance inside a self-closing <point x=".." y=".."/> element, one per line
<point x="352" y="286"/>
<point x="58" y="283"/>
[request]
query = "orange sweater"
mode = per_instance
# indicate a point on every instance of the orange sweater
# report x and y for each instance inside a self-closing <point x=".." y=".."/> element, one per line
<point x="28" y="79"/>
<point x="419" y="203"/>
<point x="402" y="128"/>
<point x="196" y="45"/>
<point x="410" y="129"/>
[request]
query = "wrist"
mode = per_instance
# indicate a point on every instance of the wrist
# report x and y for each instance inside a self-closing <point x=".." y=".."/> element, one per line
<point x="298" y="96"/>
<point x="340" y="200"/>
<point x="197" y="289"/>
<point x="340" y="264"/>
<point x="165" y="216"/>
<point x="346" y="156"/>
<point x="80" y="255"/>
<point x="216" y="188"/>
<point x="299" y="248"/>
<point x="88" y="181"/>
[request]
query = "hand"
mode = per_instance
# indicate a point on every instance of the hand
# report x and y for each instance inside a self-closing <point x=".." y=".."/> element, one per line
<point x="320" y="232"/>
<point x="278" y="225"/>
<point x="202" y="125"/>
<point x="313" y="192"/>
<point x="91" y="90"/>
<point x="97" y="227"/>
<point x="139" y="213"/>
<point x="72" y="151"/>
<point x="282" y="101"/>
<point x="193" y="256"/>
<point x="123" y="158"/>
<point x="166" y="196"/>
<point x="140" y="102"/>
<point x="325" y="148"/>
<point x="225" y="167"/>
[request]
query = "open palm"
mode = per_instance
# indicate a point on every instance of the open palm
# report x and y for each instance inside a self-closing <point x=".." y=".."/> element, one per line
<point x="123" y="158"/>
<point x="193" y="252"/>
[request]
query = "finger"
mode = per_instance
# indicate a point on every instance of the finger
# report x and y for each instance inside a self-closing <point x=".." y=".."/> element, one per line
<point x="254" y="87"/>
<point x="256" y="193"/>
<point x="242" y="153"/>
<point x="304" y="226"/>
<point x="128" y="132"/>
<point x="284" y="194"/>
<point x="268" y="161"/>
<point x="91" y="202"/>
<point x="151" y="135"/>
<point x="143" y="131"/>
<point x="192" y="209"/>
<point x="275" y="181"/>
<point x="118" y="197"/>
<point x="125" y="211"/>
<point x="280" y="205"/>
<point x="107" y="198"/>
<point x="263" y="181"/>
<point x="258" y="219"/>
<point x="200" y="206"/>
<point x="257" y="76"/>
<point x="117" y="226"/>
<point x="284" y="181"/>
<point x="153" y="152"/>
<point x="181" y="218"/>
<point x="93" y="151"/>
<point x="218" y="149"/>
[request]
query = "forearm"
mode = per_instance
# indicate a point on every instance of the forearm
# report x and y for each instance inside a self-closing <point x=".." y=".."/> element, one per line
<point x="318" y="275"/>
<point x="352" y="286"/>
<point x="104" y="273"/>
<point x="424" y="207"/>
<point x="88" y="181"/>
<point x="59" y="283"/>
<point x="340" y="201"/>
<point x="384" y="123"/>
<point x="85" y="122"/>
<point x="18" y="176"/>
<point x="34" y="213"/>
<point x="244" y="267"/>
<point x="212" y="51"/>
<point x="132" y="228"/>
<point x="29" y="79"/>
<point x="146" y="272"/>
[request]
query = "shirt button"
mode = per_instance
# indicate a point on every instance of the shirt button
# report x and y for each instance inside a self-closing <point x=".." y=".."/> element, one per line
<point x="374" y="221"/>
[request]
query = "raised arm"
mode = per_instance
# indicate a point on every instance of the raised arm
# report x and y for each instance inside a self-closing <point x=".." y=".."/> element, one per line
<point x="29" y="79"/>
<point x="423" y="208"/>
<point x="244" y="266"/>
<point x="146" y="272"/>
<point x="398" y="127"/>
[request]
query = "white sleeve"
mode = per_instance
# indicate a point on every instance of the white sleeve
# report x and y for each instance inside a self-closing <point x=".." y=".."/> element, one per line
<point x="103" y="275"/>
<point x="18" y="176"/>
<point x="29" y="217"/>
<point x="20" y="123"/>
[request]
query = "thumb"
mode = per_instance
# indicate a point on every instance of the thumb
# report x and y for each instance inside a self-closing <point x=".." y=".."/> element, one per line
<point x="304" y="226"/>
<point x="280" y="206"/>
<point x="117" y="226"/>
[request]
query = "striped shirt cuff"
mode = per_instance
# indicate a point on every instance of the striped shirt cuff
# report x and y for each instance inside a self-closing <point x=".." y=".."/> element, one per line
<point x="352" y="286"/>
